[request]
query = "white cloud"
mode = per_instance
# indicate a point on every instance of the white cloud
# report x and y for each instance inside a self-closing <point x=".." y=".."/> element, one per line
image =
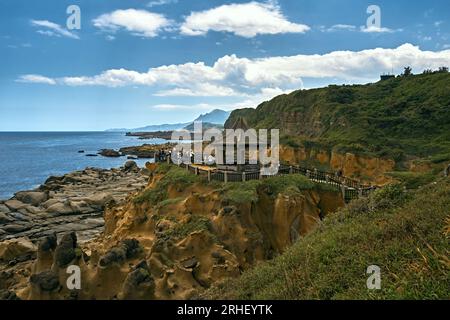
<point x="248" y="102"/>
<point x="374" y="29"/>
<point x="245" y="20"/>
<point x="364" y="29"/>
<point x="111" y="78"/>
<point x="161" y="3"/>
<point x="248" y="82"/>
<point x="34" y="78"/>
<point x="138" y="22"/>
<point x="48" y="33"/>
<point x="53" y="29"/>
<point x="199" y="90"/>
<point x="340" y="27"/>
<point x="231" y="76"/>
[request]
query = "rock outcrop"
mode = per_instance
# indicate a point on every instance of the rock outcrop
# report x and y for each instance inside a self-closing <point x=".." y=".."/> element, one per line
<point x="146" y="151"/>
<point x="362" y="168"/>
<point x="110" y="153"/>
<point x="74" y="202"/>
<point x="12" y="251"/>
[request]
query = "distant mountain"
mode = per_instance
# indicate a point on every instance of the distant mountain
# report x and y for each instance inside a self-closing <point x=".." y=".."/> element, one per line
<point x="205" y="126"/>
<point x="154" y="128"/>
<point x="216" y="116"/>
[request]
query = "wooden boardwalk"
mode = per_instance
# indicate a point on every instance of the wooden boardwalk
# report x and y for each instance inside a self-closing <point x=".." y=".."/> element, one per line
<point x="350" y="188"/>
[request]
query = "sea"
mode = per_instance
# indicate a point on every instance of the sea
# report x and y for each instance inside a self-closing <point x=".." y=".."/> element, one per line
<point x="27" y="159"/>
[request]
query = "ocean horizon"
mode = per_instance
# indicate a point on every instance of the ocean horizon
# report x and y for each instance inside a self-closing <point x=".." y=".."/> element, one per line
<point x="28" y="158"/>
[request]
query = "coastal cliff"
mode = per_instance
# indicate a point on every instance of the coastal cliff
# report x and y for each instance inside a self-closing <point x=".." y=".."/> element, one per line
<point x="198" y="234"/>
<point x="364" y="130"/>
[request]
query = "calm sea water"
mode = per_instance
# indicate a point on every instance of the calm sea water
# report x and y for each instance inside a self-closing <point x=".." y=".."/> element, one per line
<point x="27" y="159"/>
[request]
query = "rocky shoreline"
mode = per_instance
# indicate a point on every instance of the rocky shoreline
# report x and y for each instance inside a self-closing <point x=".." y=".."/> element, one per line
<point x="74" y="202"/>
<point x="145" y="151"/>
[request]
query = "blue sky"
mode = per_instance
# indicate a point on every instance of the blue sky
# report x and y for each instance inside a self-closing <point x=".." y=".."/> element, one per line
<point x="135" y="63"/>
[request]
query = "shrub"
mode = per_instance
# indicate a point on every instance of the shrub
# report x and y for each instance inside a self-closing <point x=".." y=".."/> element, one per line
<point x="439" y="158"/>
<point x="388" y="197"/>
<point x="163" y="168"/>
<point x="413" y="180"/>
<point x="277" y="185"/>
<point x="151" y="196"/>
<point x="169" y="202"/>
<point x="244" y="192"/>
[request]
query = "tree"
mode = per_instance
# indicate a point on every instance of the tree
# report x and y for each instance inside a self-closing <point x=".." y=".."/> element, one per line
<point x="407" y="72"/>
<point x="427" y="71"/>
<point x="443" y="70"/>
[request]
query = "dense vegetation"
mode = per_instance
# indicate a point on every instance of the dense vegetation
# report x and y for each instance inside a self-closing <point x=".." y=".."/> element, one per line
<point x="405" y="233"/>
<point x="396" y="118"/>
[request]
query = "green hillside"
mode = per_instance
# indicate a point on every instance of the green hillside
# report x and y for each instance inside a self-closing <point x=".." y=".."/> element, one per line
<point x="397" y="118"/>
<point x="405" y="234"/>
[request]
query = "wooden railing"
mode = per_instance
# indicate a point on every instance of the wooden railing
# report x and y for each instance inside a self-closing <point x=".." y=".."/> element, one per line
<point x="350" y="188"/>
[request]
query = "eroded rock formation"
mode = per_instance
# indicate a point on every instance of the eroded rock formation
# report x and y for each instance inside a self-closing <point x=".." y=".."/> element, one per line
<point x="366" y="169"/>
<point x="172" y="249"/>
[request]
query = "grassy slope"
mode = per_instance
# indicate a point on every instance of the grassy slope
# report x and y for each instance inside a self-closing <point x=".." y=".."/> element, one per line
<point x="394" y="118"/>
<point x="407" y="236"/>
<point x="233" y="192"/>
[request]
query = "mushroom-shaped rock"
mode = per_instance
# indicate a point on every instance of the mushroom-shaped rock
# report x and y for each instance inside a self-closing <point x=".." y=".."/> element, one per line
<point x="66" y="251"/>
<point x="45" y="281"/>
<point x="126" y="249"/>
<point x="139" y="283"/>
<point x="45" y="252"/>
<point x="48" y="243"/>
